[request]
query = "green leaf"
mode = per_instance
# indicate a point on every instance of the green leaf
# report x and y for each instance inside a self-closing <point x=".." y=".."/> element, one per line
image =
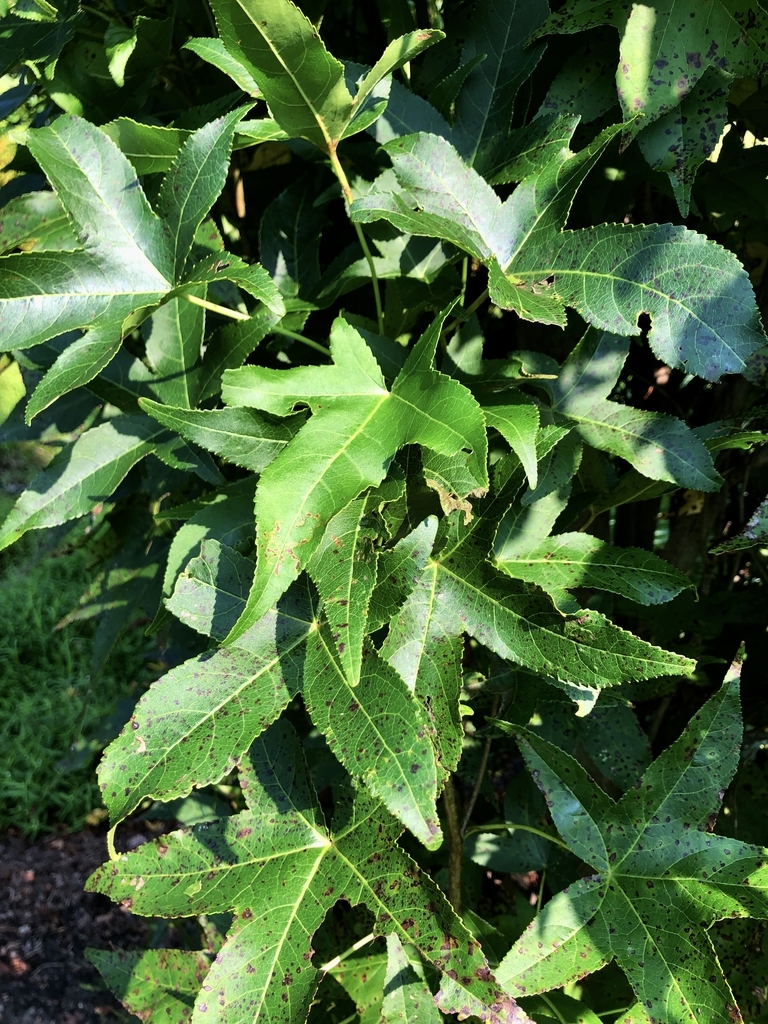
<point x="537" y="268"/>
<point x="240" y="436"/>
<point x="210" y="593"/>
<point x="81" y="476"/>
<point x="127" y="265"/>
<point x="586" y="85"/>
<point x="662" y="879"/>
<point x="406" y="113"/>
<point x="564" y="1009"/>
<point x="131" y="260"/>
<point x="442" y="197"/>
<point x="356" y="428"/>
<point x="378" y="731"/>
<point x="150" y="148"/>
<point x="397" y="53"/>
<point x="530" y="148"/>
<point x="281" y="50"/>
<point x="344" y="570"/>
<point x="227" y="518"/>
<point x="43" y="41"/>
<point x="515" y="621"/>
<point x="657" y="445"/>
<point x="155" y="984"/>
<point x="36" y="220"/>
<point x="231" y="345"/>
<point x="407" y="998"/>
<point x="281" y="845"/>
<point x="173" y="340"/>
<point x="571" y="560"/>
<point x="484" y="107"/>
<point x="193" y="184"/>
<point x="195" y="723"/>
<point x="78" y="364"/>
<point x="362" y="978"/>
<point x="289" y="240"/>
<point x="215" y="52"/>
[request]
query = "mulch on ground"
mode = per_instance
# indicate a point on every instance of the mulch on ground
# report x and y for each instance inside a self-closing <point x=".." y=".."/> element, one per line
<point x="47" y="922"/>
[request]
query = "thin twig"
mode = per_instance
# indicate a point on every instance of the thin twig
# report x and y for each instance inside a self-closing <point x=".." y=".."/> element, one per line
<point x="233" y="314"/>
<point x="540" y="897"/>
<point x="455" y="844"/>
<point x="481" y="772"/>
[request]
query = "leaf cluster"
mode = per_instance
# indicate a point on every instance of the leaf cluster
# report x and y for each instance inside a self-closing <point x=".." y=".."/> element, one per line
<point x="405" y="376"/>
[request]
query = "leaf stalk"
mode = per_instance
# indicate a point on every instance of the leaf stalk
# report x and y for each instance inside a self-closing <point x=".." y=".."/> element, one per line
<point x="346" y="188"/>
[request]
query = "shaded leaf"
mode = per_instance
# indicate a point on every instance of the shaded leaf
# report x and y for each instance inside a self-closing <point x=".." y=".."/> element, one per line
<point x="155" y="984"/>
<point x="81" y="476"/>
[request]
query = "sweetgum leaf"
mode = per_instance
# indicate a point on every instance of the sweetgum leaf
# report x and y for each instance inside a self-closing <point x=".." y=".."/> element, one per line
<point x="173" y="342"/>
<point x="195" y="722"/>
<point x="375" y="727"/>
<point x="78" y="364"/>
<point x="35" y="220"/>
<point x="356" y="428"/>
<point x="661" y="878"/>
<point x="289" y="240"/>
<point x="570" y="560"/>
<point x="130" y="261"/>
<point x="378" y="731"/>
<point x="537" y="268"/>
<point x="681" y="42"/>
<point x="407" y="998"/>
<point x="682" y="139"/>
<point x="215" y="52"/>
<point x="754" y="533"/>
<point x="458" y="592"/>
<point x="282" y="845"/>
<point x="344" y="570"/>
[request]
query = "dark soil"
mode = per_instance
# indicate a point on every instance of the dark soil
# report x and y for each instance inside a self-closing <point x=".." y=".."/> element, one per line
<point x="46" y="923"/>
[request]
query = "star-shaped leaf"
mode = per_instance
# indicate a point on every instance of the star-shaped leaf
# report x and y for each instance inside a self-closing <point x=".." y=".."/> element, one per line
<point x="698" y="295"/>
<point x="356" y="428"/>
<point x="130" y="259"/>
<point x="661" y="876"/>
<point x="280" y="870"/>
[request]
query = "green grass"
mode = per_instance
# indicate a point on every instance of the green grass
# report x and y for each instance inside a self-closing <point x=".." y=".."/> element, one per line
<point x="46" y="698"/>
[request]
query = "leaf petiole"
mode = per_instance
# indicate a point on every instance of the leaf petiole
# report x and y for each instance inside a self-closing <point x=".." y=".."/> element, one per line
<point x="233" y="314"/>
<point x="113" y="854"/>
<point x="502" y="826"/>
<point x="366" y="939"/>
<point x="346" y="188"/>
<point x="300" y="337"/>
